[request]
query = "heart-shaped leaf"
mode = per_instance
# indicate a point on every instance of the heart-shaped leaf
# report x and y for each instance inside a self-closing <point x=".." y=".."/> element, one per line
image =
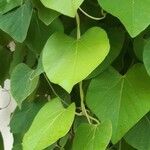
<point x="51" y="123"/>
<point x="22" y="85"/>
<point x="92" y="137"/>
<point x="68" y="61"/>
<point x="134" y="14"/>
<point x="122" y="99"/>
<point x="66" y="7"/>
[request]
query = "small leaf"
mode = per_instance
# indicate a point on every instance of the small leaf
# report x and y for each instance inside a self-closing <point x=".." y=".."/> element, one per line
<point x="66" y="7"/>
<point x="65" y="58"/>
<point x="16" y="23"/>
<point x="51" y="123"/>
<point x="92" y="137"/>
<point x="122" y="99"/>
<point x="21" y="83"/>
<point x="129" y="14"/>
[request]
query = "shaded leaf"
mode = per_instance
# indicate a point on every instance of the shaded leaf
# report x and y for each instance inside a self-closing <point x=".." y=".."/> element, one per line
<point x="21" y="83"/>
<point x="139" y="135"/>
<point x="39" y="33"/>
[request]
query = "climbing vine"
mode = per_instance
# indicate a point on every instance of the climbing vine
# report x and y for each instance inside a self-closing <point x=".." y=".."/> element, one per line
<point x="79" y="72"/>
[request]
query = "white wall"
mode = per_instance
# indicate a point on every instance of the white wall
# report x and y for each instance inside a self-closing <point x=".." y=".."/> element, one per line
<point x="5" y="99"/>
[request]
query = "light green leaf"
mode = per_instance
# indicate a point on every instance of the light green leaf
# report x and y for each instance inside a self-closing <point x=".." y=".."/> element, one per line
<point x="134" y="14"/>
<point x="66" y="7"/>
<point x="67" y="61"/>
<point x="51" y="123"/>
<point x="146" y="56"/>
<point x="122" y="99"/>
<point x="21" y="83"/>
<point x="92" y="137"/>
<point x="16" y="23"/>
<point x="45" y="14"/>
<point x="139" y="135"/>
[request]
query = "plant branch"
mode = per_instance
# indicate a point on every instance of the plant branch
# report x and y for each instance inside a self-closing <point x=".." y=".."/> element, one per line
<point x="91" y="17"/>
<point x="82" y="103"/>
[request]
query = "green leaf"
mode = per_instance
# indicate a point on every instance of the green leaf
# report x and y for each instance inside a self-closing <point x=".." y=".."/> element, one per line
<point x="66" y="7"/>
<point x="45" y="14"/>
<point x="51" y="123"/>
<point x="92" y="137"/>
<point x="122" y="99"/>
<point x="139" y="135"/>
<point x="116" y="38"/>
<point x="39" y="33"/>
<point x="146" y="56"/>
<point x="21" y="83"/>
<point x="7" y="5"/>
<point x="128" y="13"/>
<point x="22" y="119"/>
<point x="16" y="23"/>
<point x="65" y="58"/>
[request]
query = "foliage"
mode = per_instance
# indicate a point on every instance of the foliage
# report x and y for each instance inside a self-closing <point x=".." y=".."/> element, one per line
<point x="79" y="71"/>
